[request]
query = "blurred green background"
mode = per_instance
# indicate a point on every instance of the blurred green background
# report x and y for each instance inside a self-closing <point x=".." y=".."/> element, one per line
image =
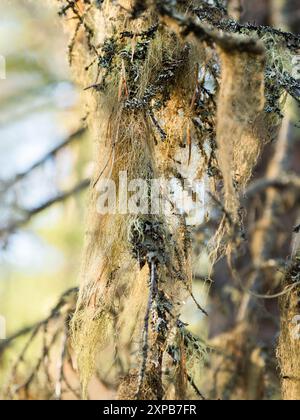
<point x="39" y="110"/>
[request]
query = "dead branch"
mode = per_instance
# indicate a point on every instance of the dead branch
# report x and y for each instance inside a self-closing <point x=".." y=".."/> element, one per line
<point x="285" y="182"/>
<point x="20" y="176"/>
<point x="62" y="310"/>
<point x="63" y="300"/>
<point x="189" y="24"/>
<point x="29" y="214"/>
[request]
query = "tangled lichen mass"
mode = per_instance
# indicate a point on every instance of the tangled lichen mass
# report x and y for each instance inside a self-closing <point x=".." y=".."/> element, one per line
<point x="172" y="84"/>
<point x="149" y="79"/>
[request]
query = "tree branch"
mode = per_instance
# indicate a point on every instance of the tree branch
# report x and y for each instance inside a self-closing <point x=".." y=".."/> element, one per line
<point x="33" y="212"/>
<point x="18" y="177"/>
<point x="56" y="311"/>
<point x="191" y="24"/>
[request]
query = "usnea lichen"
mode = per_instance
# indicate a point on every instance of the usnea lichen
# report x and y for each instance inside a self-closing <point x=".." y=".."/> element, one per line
<point x="151" y="92"/>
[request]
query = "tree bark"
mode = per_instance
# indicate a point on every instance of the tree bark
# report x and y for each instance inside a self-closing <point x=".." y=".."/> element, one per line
<point x="289" y="342"/>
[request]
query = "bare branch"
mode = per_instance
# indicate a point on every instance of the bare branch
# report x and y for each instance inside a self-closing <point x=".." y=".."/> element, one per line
<point x="63" y="300"/>
<point x="33" y="212"/>
<point x="283" y="183"/>
<point x="62" y="311"/>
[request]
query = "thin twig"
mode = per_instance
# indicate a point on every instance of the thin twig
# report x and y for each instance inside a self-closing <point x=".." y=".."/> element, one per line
<point x="29" y="214"/>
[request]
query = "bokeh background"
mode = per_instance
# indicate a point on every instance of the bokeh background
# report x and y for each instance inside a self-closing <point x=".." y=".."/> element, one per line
<point x="44" y="158"/>
<point x="45" y="164"/>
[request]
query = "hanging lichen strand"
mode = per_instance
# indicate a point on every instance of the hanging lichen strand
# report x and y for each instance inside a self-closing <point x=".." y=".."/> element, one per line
<point x="160" y="77"/>
<point x="136" y="271"/>
<point x="289" y="344"/>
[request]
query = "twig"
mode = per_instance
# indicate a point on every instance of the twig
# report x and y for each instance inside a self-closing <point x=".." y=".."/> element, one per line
<point x="4" y="344"/>
<point x="196" y="389"/>
<point x="63" y="308"/>
<point x="198" y="305"/>
<point x="26" y="385"/>
<point x="58" y="387"/>
<point x="74" y="136"/>
<point x="203" y="33"/>
<point x="29" y="214"/>
<point x="281" y="183"/>
<point x="145" y="348"/>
